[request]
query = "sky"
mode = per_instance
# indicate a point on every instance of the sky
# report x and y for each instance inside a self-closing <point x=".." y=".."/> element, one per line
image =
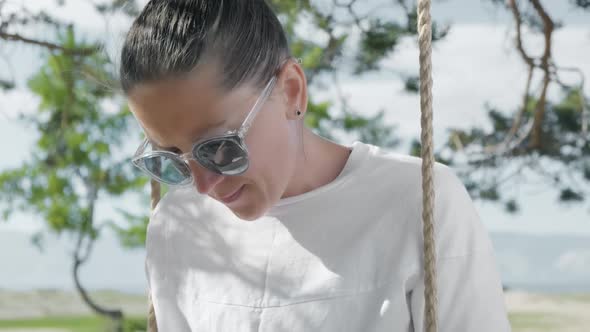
<point x="475" y="64"/>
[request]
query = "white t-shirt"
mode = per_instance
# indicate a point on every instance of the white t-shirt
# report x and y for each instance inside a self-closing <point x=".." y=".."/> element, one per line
<point x="346" y="256"/>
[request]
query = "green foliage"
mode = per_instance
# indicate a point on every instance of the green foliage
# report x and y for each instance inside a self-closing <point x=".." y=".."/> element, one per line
<point x="377" y="42"/>
<point x="490" y="194"/>
<point x="133" y="235"/>
<point x="6" y="84"/>
<point x="412" y="84"/>
<point x="500" y="121"/>
<point x="585" y="4"/>
<point x="511" y="206"/>
<point x="564" y="146"/>
<point x="544" y="137"/>
<point x="71" y="163"/>
<point x="74" y="324"/>
<point x="371" y="129"/>
<point x="317" y="112"/>
<point x="135" y="324"/>
<point x="126" y="6"/>
<point x="567" y="111"/>
<point x="416" y="151"/>
<point x="77" y="324"/>
<point x="416" y="148"/>
<point x="568" y="195"/>
<point x="438" y="32"/>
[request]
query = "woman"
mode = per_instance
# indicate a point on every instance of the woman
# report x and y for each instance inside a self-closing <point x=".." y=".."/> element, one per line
<point x="268" y="226"/>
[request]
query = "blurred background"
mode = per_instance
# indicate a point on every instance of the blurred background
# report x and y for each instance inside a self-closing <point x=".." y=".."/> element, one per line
<point x="511" y="117"/>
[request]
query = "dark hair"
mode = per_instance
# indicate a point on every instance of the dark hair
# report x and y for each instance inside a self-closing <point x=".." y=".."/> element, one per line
<point x="171" y="37"/>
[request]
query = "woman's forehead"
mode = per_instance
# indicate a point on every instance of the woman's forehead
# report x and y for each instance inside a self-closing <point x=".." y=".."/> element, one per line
<point x="195" y="89"/>
<point x="201" y="89"/>
<point x="177" y="110"/>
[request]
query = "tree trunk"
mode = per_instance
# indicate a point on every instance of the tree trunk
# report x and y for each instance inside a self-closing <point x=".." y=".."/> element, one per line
<point x="115" y="315"/>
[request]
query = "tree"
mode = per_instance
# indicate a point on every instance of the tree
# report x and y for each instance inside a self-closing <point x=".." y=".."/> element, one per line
<point x="541" y="138"/>
<point x="72" y="164"/>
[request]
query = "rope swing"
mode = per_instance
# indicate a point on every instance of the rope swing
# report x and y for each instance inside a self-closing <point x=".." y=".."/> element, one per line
<point x="155" y="198"/>
<point x="430" y="289"/>
<point x="425" y="45"/>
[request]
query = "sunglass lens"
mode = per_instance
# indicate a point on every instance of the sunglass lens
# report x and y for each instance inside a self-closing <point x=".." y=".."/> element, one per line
<point x="168" y="169"/>
<point x="225" y="156"/>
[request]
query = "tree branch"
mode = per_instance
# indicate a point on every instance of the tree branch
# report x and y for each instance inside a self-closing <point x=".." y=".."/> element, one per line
<point x="81" y="258"/>
<point x="548" y="26"/>
<point x="51" y="46"/>
<point x="519" y="46"/>
<point x="519" y="116"/>
<point x="504" y="146"/>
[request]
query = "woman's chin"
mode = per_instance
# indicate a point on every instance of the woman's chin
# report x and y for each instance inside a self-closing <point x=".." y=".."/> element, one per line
<point x="243" y="208"/>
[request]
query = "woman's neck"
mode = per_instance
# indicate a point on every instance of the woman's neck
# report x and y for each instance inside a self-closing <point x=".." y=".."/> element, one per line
<point x="319" y="162"/>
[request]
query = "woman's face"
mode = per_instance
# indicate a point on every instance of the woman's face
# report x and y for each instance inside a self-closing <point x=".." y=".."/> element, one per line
<point x="176" y="113"/>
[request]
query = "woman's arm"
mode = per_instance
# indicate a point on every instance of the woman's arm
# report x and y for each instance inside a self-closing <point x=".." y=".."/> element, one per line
<point x="470" y="295"/>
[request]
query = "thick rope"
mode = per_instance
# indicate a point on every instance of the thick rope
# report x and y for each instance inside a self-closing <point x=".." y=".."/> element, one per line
<point x="155" y="197"/>
<point x="425" y="41"/>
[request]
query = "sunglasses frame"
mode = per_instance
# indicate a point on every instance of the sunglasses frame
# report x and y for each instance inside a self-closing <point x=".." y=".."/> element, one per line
<point x="237" y="135"/>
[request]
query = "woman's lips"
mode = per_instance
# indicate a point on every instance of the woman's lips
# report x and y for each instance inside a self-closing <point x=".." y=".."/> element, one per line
<point x="233" y="197"/>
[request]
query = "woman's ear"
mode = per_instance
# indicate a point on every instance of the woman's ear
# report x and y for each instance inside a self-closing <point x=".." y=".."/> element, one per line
<point x="294" y="90"/>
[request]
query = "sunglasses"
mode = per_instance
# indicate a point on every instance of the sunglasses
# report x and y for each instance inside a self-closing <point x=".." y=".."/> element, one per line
<point x="225" y="154"/>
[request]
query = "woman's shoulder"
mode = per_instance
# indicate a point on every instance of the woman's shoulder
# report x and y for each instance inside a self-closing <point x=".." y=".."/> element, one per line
<point x="458" y="226"/>
<point x="403" y="172"/>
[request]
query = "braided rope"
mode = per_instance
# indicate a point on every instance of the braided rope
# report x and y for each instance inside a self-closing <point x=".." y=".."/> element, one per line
<point x="425" y="41"/>
<point x="155" y="198"/>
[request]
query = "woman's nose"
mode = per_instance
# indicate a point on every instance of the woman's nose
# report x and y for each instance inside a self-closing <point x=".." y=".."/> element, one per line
<point x="205" y="180"/>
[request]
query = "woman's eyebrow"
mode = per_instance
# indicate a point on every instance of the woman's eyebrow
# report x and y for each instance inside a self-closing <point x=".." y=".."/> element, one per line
<point x="195" y="138"/>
